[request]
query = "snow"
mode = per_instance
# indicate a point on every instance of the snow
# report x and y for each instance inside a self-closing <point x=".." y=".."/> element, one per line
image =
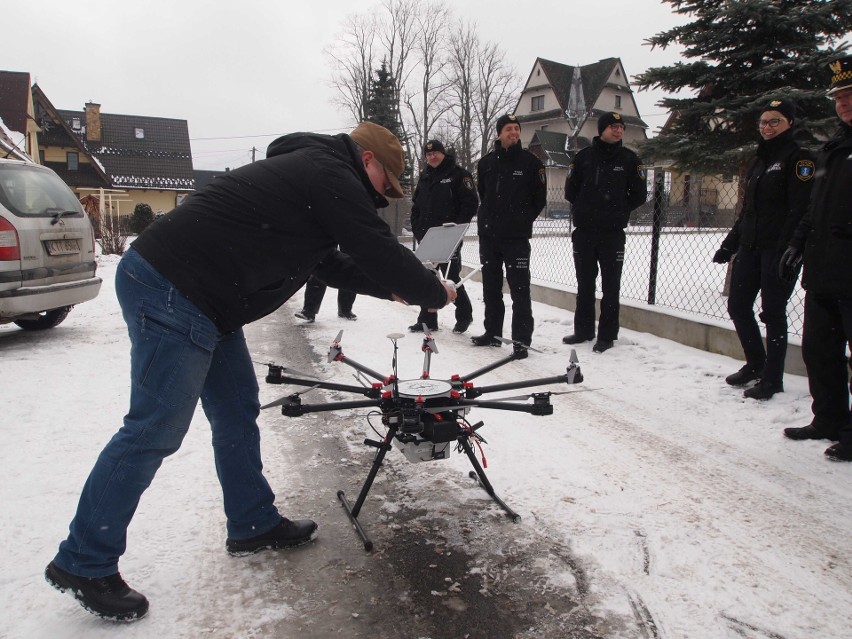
<point x="688" y="512"/>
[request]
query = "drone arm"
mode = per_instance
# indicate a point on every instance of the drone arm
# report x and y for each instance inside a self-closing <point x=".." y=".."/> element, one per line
<point x="296" y="408"/>
<point x="348" y="388"/>
<point x="541" y="405"/>
<point x="489" y="368"/>
<point x="367" y="371"/>
<point x="482" y="390"/>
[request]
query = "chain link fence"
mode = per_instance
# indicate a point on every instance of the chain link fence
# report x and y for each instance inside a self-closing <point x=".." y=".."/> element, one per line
<point x="670" y="244"/>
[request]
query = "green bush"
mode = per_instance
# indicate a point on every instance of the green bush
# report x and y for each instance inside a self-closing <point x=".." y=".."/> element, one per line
<point x="141" y="217"/>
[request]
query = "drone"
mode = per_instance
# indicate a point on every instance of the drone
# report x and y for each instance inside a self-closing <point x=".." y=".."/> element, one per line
<point x="425" y="418"/>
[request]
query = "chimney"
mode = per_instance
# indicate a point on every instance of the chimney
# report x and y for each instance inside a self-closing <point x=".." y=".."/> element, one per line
<point x="93" y="122"/>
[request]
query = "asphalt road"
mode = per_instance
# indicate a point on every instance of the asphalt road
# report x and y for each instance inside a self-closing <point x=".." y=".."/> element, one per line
<point x="449" y="565"/>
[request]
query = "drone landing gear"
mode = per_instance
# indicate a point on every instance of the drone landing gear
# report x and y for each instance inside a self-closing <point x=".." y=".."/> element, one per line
<point x="479" y="475"/>
<point x="353" y="510"/>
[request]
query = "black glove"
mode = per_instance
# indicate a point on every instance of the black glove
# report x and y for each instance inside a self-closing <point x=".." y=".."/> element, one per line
<point x="723" y="256"/>
<point x="788" y="267"/>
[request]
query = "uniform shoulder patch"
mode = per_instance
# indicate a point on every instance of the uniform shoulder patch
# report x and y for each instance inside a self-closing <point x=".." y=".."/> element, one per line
<point x="805" y="170"/>
<point x="542" y="175"/>
<point x="468" y="182"/>
<point x="570" y="171"/>
<point x="642" y="170"/>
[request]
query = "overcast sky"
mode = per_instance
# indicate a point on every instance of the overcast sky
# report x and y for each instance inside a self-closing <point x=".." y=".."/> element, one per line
<point x="246" y="71"/>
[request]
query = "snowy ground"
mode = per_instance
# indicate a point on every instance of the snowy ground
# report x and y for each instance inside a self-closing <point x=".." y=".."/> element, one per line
<point x="656" y="499"/>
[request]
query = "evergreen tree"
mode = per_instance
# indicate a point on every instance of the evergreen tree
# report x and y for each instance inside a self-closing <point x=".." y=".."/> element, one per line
<point x="141" y="217"/>
<point x="382" y="107"/>
<point x="741" y="54"/>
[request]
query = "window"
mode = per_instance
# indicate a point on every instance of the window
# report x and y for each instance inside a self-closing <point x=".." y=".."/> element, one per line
<point x="618" y="102"/>
<point x="73" y="160"/>
<point x="139" y="133"/>
<point x="75" y="124"/>
<point x="537" y="103"/>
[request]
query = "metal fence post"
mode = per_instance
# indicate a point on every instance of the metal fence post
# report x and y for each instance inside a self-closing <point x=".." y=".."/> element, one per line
<point x="655" y="234"/>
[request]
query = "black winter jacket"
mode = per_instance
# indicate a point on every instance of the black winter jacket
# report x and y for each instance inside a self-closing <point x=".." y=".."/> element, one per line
<point x="777" y="191"/>
<point x="825" y="232"/>
<point x="443" y="194"/>
<point x="512" y="189"/>
<point x="243" y="245"/>
<point x="605" y="182"/>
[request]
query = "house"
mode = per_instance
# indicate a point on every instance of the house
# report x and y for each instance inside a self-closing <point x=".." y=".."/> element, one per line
<point x="559" y="109"/>
<point x="18" y="128"/>
<point x="130" y="158"/>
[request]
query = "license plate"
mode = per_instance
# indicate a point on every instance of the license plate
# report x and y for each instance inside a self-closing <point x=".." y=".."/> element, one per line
<point x="62" y="247"/>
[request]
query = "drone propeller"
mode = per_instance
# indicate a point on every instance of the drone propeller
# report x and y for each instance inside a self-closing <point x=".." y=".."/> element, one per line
<point x="506" y="340"/>
<point x="428" y="340"/>
<point x="284" y="399"/>
<point x="516" y="398"/>
<point x="335" y="350"/>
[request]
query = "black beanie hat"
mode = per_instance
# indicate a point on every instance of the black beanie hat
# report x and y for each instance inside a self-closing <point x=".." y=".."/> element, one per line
<point x="609" y="118"/>
<point x="433" y="145"/>
<point x="786" y="108"/>
<point x="505" y="119"/>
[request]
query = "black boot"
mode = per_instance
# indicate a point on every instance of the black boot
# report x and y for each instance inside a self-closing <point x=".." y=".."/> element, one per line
<point x="743" y="376"/>
<point x="485" y="340"/>
<point x="576" y="339"/>
<point x="286" y="534"/>
<point x="764" y="389"/>
<point x="839" y="452"/>
<point x="808" y="432"/>
<point x="602" y="345"/>
<point x="108" y="597"/>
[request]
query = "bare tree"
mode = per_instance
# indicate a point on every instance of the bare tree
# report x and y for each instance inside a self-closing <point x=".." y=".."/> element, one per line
<point x="353" y="59"/>
<point x="461" y="89"/>
<point x="497" y="85"/>
<point x="424" y="99"/>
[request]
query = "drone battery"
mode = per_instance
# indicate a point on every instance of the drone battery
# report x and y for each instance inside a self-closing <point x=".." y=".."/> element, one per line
<point x="422" y="450"/>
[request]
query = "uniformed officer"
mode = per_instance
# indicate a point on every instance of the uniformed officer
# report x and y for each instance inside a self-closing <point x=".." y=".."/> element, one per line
<point x="512" y="191"/>
<point x="825" y="237"/>
<point x="444" y="193"/>
<point x="777" y="190"/>
<point x="605" y="182"/>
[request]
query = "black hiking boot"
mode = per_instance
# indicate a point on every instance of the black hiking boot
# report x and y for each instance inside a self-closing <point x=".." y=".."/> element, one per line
<point x="764" y="389"/>
<point x="485" y="340"/>
<point x="576" y="339"/>
<point x="743" y="376"/>
<point x="808" y="432"/>
<point x="108" y="597"/>
<point x="839" y="452"/>
<point x="461" y="326"/>
<point x="305" y="315"/>
<point x="287" y="534"/>
<point x="347" y="315"/>
<point x="602" y="345"/>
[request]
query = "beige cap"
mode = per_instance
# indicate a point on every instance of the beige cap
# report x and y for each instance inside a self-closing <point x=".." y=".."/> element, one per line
<point x="387" y="149"/>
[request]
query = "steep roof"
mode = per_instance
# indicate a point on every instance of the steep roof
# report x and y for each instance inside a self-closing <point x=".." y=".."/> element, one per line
<point x="140" y="152"/>
<point x="594" y="77"/>
<point x="549" y="147"/>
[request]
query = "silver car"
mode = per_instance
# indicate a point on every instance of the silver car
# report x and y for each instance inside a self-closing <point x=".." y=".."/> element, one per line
<point x="47" y="247"/>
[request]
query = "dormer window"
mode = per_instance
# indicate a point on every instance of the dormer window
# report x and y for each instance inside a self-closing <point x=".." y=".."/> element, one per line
<point x="139" y="133"/>
<point x="537" y="103"/>
<point x="75" y="124"/>
<point x="618" y="102"/>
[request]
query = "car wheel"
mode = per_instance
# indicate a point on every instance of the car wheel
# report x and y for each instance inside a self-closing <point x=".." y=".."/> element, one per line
<point x="47" y="319"/>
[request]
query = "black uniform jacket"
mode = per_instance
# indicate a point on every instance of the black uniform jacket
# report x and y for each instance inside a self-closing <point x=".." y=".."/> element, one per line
<point x="777" y="191"/>
<point x="825" y="232"/>
<point x="512" y="192"/>
<point x="443" y="194"/>
<point x="243" y="245"/>
<point x="604" y="183"/>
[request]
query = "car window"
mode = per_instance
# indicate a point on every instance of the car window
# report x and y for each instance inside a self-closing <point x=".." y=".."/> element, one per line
<point x="31" y="192"/>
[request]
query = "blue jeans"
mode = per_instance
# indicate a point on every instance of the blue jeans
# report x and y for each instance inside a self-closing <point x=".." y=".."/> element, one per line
<point x="177" y="356"/>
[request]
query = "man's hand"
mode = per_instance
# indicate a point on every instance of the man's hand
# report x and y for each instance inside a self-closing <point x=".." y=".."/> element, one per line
<point x="788" y="267"/>
<point x="722" y="256"/>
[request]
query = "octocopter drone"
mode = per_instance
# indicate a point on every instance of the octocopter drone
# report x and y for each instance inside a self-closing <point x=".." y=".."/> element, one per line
<point x="425" y="418"/>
